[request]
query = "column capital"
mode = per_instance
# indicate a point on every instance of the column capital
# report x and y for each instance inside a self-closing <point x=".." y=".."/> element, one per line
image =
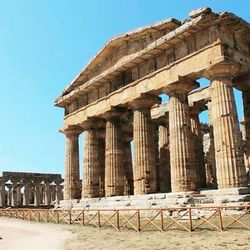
<point x="91" y="123"/>
<point x="145" y="101"/>
<point x="71" y="130"/>
<point x="183" y="85"/>
<point x="222" y="70"/>
<point x="114" y="113"/>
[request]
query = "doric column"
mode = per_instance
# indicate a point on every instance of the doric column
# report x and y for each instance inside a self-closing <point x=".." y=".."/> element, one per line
<point x="19" y="195"/>
<point x="198" y="147"/>
<point x="181" y="145"/>
<point x="144" y="151"/>
<point x="71" y="177"/>
<point x="246" y="127"/>
<point x="47" y="198"/>
<point x="164" y="155"/>
<point x="128" y="168"/>
<point x="101" y="153"/>
<point x="58" y="190"/>
<point x="9" y="194"/>
<point x="91" y="161"/>
<point x="26" y="195"/>
<point x="32" y="195"/>
<point x="155" y="134"/>
<point x="211" y="178"/>
<point x="14" y="194"/>
<point x="227" y="139"/>
<point x="53" y="193"/>
<point x="37" y="195"/>
<point x="42" y="193"/>
<point x="114" y="168"/>
<point x="2" y="193"/>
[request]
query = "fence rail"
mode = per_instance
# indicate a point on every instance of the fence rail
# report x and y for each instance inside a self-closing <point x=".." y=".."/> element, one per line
<point x="190" y="219"/>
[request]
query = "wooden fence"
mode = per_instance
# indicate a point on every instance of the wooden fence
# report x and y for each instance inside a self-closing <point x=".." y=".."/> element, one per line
<point x="190" y="219"/>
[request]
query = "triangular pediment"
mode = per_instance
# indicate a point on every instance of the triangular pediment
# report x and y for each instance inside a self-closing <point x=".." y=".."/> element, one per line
<point x="119" y="48"/>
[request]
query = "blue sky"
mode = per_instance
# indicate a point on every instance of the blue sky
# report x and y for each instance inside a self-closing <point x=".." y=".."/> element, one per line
<point x="43" y="45"/>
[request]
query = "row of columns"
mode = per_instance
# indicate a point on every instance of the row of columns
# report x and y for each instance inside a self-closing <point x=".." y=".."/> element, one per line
<point x="35" y="195"/>
<point x="183" y="146"/>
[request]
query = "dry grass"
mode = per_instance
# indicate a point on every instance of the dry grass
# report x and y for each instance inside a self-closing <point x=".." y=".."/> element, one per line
<point x="107" y="238"/>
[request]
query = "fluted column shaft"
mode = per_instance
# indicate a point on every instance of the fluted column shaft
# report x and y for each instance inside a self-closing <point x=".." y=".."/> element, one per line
<point x="71" y="178"/>
<point x="155" y="134"/>
<point x="144" y="153"/>
<point x="211" y="178"/>
<point x="114" y="168"/>
<point x="182" y="159"/>
<point x="227" y="140"/>
<point x="101" y="153"/>
<point x="58" y="190"/>
<point x="9" y="195"/>
<point x="47" y="197"/>
<point x="14" y="195"/>
<point x="19" y="195"/>
<point x="37" y="195"/>
<point x="164" y="155"/>
<point x="144" y="150"/>
<point x="91" y="164"/>
<point x="246" y="105"/>
<point x="53" y="193"/>
<point x="26" y="195"/>
<point x="198" y="149"/>
<point x="2" y="194"/>
<point x="128" y="170"/>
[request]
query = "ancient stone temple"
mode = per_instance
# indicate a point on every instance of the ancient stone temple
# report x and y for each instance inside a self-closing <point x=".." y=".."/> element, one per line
<point x="20" y="189"/>
<point x="136" y="145"/>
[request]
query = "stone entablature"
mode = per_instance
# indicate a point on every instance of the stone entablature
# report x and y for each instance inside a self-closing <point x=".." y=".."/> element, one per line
<point x="30" y="189"/>
<point x="168" y="152"/>
<point x="193" y="36"/>
<point x="32" y="177"/>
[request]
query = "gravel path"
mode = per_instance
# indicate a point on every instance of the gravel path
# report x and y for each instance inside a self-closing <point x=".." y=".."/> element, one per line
<point x="17" y="234"/>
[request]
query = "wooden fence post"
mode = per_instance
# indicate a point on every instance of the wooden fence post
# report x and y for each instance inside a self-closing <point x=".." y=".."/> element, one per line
<point x="220" y="219"/>
<point x="118" y="219"/>
<point x="190" y="220"/>
<point x="162" y="220"/>
<point x="70" y="220"/>
<point x="83" y="217"/>
<point x="99" y="218"/>
<point x="138" y="221"/>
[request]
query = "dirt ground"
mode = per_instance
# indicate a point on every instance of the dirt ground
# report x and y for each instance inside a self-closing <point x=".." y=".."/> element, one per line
<point x="24" y="235"/>
<point x="106" y="238"/>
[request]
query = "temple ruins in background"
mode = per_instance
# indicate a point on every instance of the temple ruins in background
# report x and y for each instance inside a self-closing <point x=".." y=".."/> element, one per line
<point x="20" y="189"/>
